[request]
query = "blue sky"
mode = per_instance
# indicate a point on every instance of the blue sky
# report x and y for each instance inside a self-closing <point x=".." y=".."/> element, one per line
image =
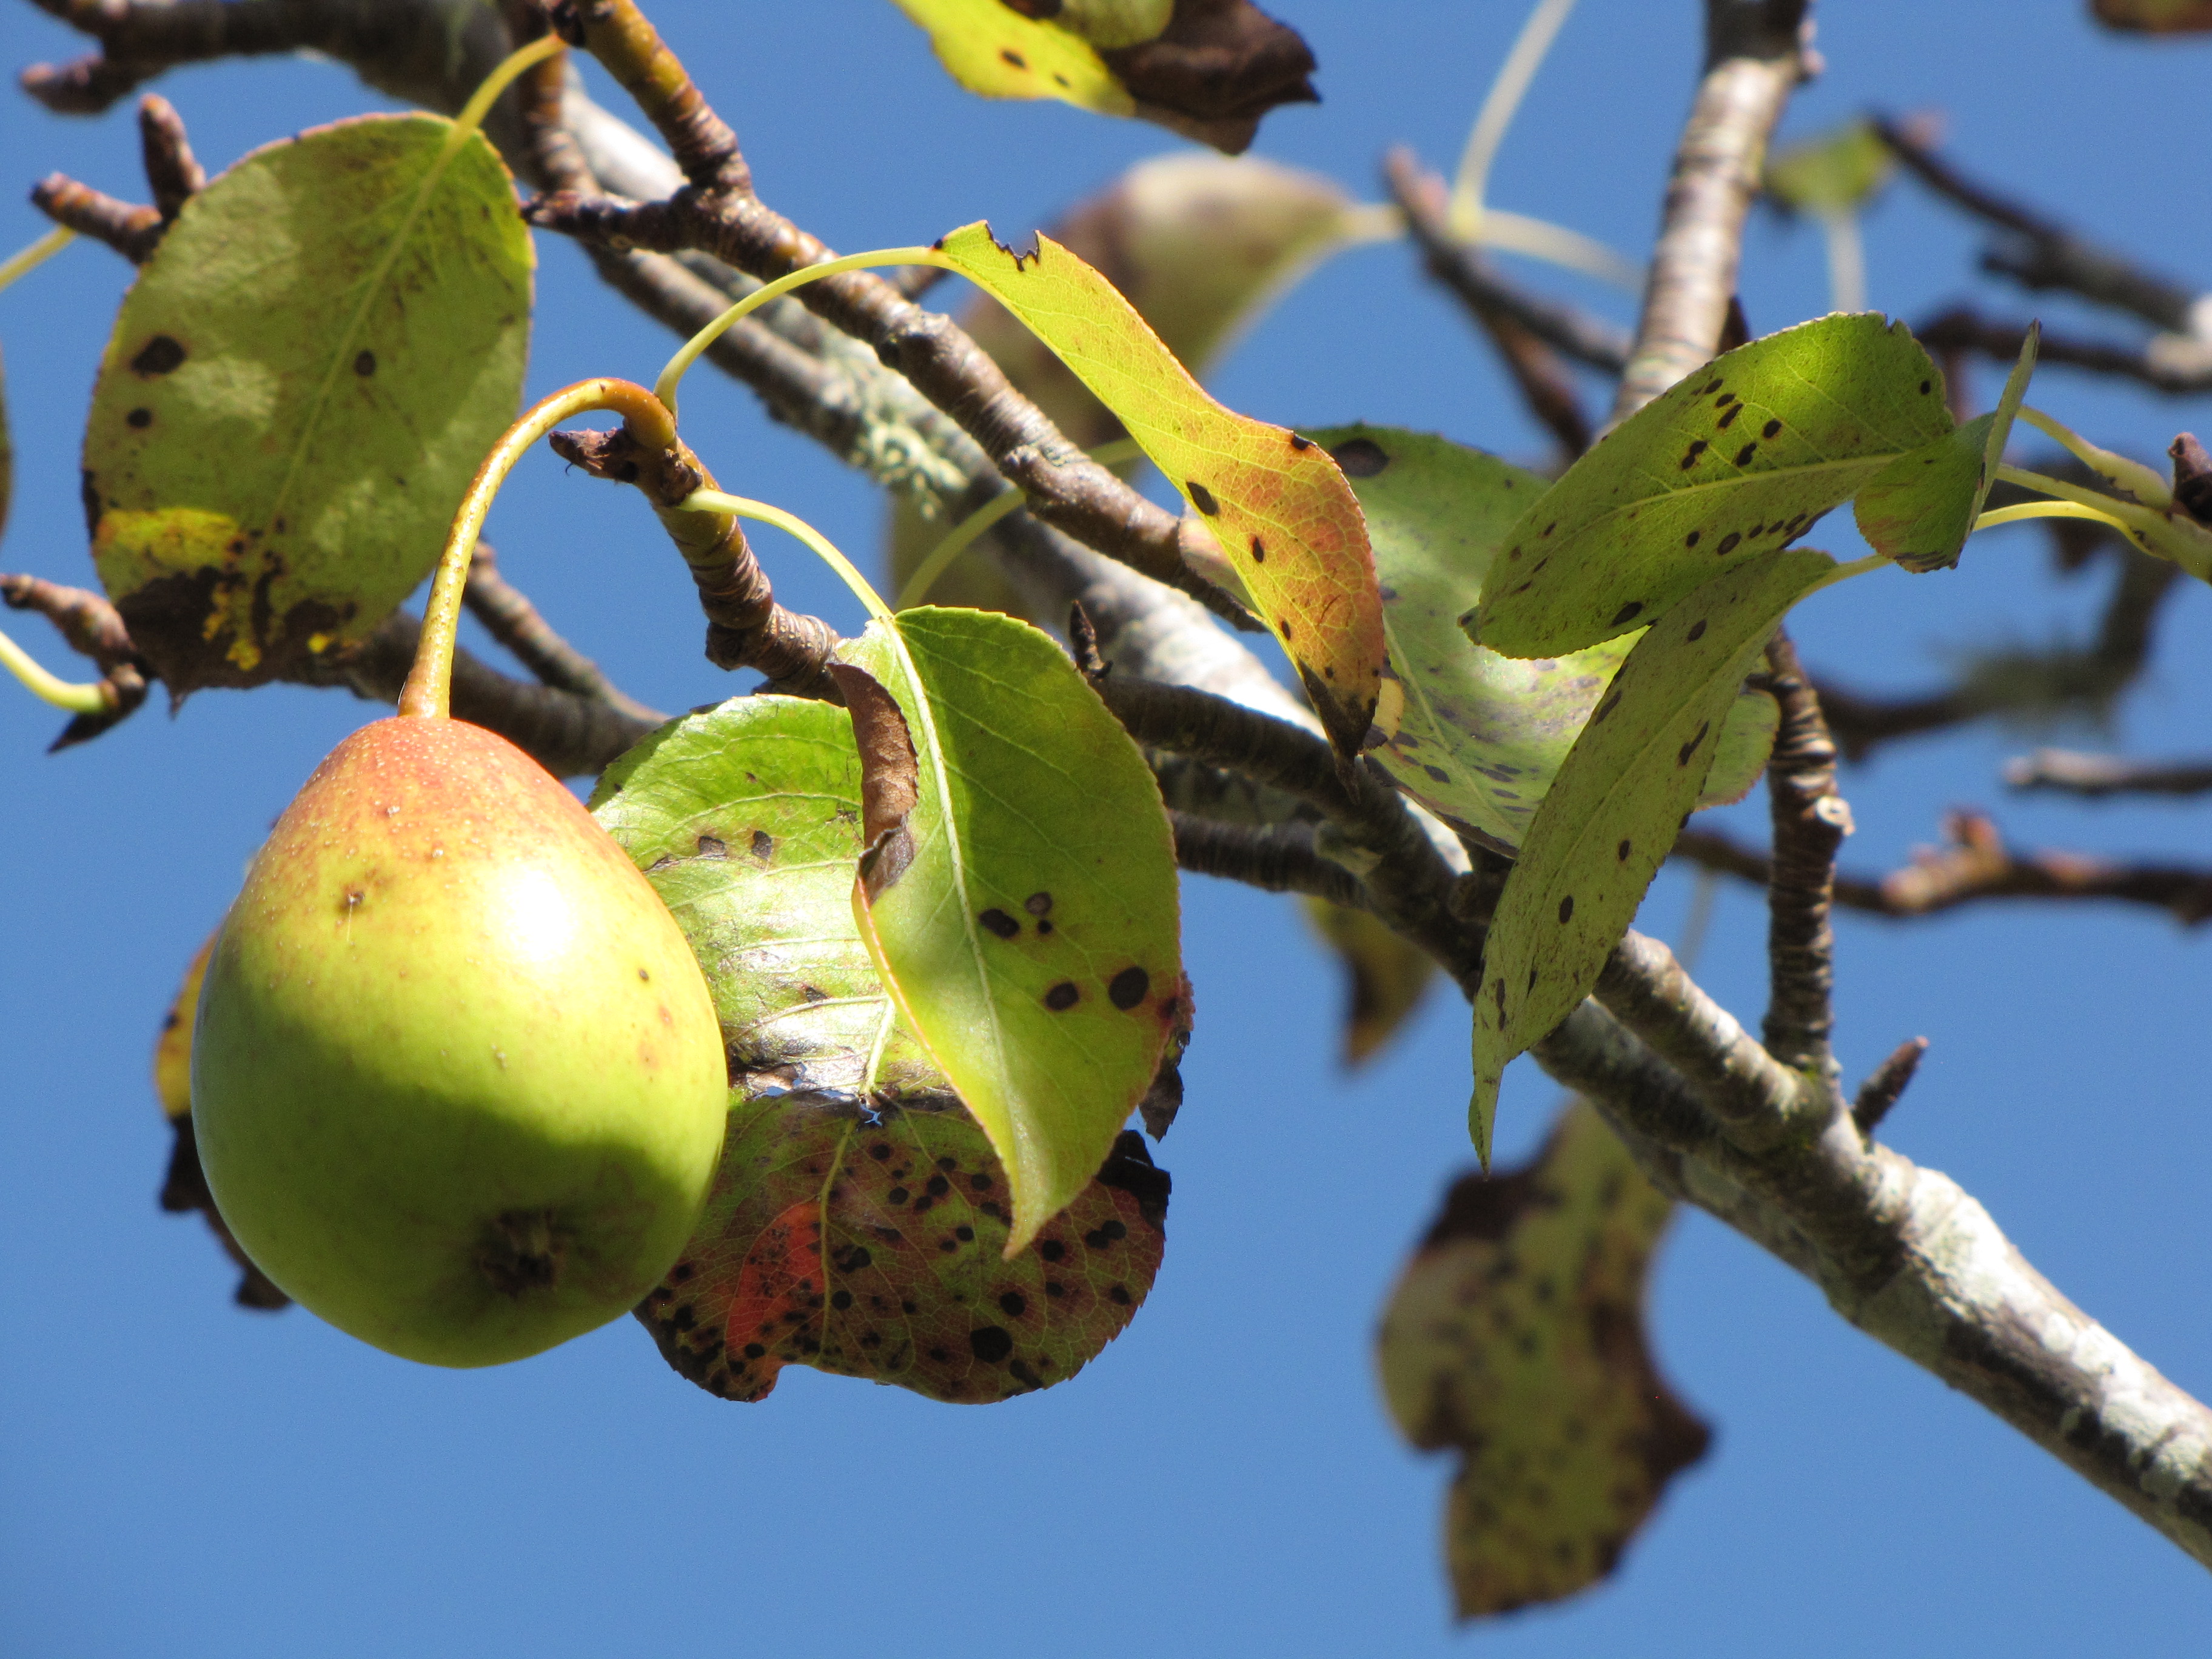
<point x="179" y="1477"/>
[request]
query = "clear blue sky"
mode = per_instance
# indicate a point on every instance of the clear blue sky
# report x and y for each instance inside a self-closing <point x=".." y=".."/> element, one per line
<point x="180" y="1478"/>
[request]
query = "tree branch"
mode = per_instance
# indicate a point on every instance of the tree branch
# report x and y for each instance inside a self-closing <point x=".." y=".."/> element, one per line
<point x="2065" y="771"/>
<point x="2178" y="365"/>
<point x="1810" y="821"/>
<point x="1279" y="858"/>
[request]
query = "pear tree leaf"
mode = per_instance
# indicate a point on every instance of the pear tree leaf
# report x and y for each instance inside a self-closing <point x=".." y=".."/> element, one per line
<point x="1735" y="460"/>
<point x="1838" y="171"/>
<point x="1616" y="806"/>
<point x="814" y="1249"/>
<point x="299" y="385"/>
<point x="1017" y="887"/>
<point x="1516" y="1337"/>
<point x="1275" y="502"/>
<point x="1200" y="246"/>
<point x="1920" y="508"/>
<point x="1385" y="975"/>
<point x="1207" y="68"/>
<point x="2154" y="16"/>
<point x="1478" y="738"/>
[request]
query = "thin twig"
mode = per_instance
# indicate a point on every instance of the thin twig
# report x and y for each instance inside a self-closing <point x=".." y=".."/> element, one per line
<point x="173" y="172"/>
<point x="133" y="229"/>
<point x="93" y="627"/>
<point x="508" y="614"/>
<point x="2178" y="365"/>
<point x="1886" y="1085"/>
<point x="1810" y="821"/>
<point x="2069" y="772"/>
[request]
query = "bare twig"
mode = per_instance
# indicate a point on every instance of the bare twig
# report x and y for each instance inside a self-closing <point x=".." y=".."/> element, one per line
<point x="1810" y="821"/>
<point x="172" y="170"/>
<point x="1886" y="1085"/>
<point x="132" y="230"/>
<point x="1755" y="52"/>
<point x="2065" y="771"/>
<point x="93" y="629"/>
<point x="1280" y="857"/>
<point x="2177" y="365"/>
<point x="508" y="614"/>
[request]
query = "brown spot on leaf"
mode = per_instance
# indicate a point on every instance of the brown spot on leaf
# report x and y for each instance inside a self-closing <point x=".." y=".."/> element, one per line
<point x="999" y="922"/>
<point x="1062" y="997"/>
<point x="1202" y="498"/>
<point x="1628" y="612"/>
<point x="364" y="363"/>
<point x="1128" y="987"/>
<point x="1037" y="904"/>
<point x="160" y="355"/>
<point x="1696" y="629"/>
<point x="1682" y="755"/>
<point x="1360" y="458"/>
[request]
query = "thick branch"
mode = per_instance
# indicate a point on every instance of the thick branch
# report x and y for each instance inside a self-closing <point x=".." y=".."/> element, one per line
<point x="1280" y="857"/>
<point x="1810" y="821"/>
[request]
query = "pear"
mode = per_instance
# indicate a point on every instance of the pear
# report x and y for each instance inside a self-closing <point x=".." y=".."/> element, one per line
<point x="456" y="1078"/>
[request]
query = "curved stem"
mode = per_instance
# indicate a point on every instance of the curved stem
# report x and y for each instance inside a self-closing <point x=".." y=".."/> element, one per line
<point x="427" y="690"/>
<point x="94" y="699"/>
<point x="2132" y="476"/>
<point x="688" y="352"/>
<point x="715" y="501"/>
<point x="35" y="255"/>
<point x="2005" y="515"/>
<point x="511" y="67"/>
<point x="971" y="529"/>
<point x="1506" y="92"/>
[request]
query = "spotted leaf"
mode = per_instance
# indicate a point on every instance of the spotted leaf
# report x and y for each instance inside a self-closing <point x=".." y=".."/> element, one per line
<point x="1478" y="738"/>
<point x="1920" y="508"/>
<point x="1022" y="906"/>
<point x="1616" y="806"/>
<point x="1516" y="1339"/>
<point x="1209" y="68"/>
<point x="1733" y="461"/>
<point x="1282" y="514"/>
<point x="299" y="385"/>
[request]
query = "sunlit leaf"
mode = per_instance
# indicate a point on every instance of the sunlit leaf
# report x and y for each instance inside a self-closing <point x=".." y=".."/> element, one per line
<point x="1018" y="888"/>
<point x="1516" y="1337"/>
<point x="1479" y="737"/>
<point x="1920" y="508"/>
<point x="1385" y="975"/>
<point x="816" y="1247"/>
<point x="1200" y="246"/>
<point x="1209" y="68"/>
<point x="299" y="385"/>
<point x="1736" y="459"/>
<point x="1833" y="172"/>
<point x="1617" y="805"/>
<point x="1275" y="501"/>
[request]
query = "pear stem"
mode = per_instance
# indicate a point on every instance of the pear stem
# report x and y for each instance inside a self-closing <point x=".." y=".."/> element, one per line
<point x="427" y="692"/>
<point x="37" y="254"/>
<point x="47" y="687"/>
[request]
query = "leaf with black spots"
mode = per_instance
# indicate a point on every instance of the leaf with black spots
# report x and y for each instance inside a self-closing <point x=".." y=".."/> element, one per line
<point x="1516" y="1337"/>
<point x="868" y="1240"/>
<point x="1735" y="460"/>
<point x="1208" y="68"/>
<point x="299" y="385"/>
<point x="1030" y="934"/>
<point x="1616" y="806"/>
<point x="1477" y="737"/>
<point x="1275" y="503"/>
<point x="1920" y="507"/>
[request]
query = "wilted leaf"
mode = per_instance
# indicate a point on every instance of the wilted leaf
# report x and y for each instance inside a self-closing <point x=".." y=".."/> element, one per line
<point x="1478" y="738"/>
<point x="2154" y="16"/>
<point x="1209" y="68"/>
<point x="1385" y="975"/>
<point x="299" y="385"/>
<point x="1736" y="460"/>
<point x="1516" y="1337"/>
<point x="1199" y="246"/>
<point x="746" y="819"/>
<point x="185" y="1189"/>
<point x="1832" y="172"/>
<point x="1275" y="501"/>
<point x="1024" y="909"/>
<point x="1920" y="508"/>
<point x="1616" y="807"/>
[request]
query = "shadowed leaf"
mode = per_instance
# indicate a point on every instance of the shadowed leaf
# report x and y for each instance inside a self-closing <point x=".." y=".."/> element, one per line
<point x="1616" y="807"/>
<point x="1275" y="501"/>
<point x="815" y="1248"/>
<point x="1208" y="68"/>
<point x="1477" y="737"/>
<point x="1385" y="975"/>
<point x="1031" y="936"/>
<point x="300" y="383"/>
<point x="1516" y="1337"/>
<point x="2154" y="16"/>
<point x="1733" y="461"/>
<point x="1920" y="507"/>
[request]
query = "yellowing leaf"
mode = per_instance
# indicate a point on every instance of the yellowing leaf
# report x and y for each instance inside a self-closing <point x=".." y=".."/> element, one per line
<point x="1275" y="501"/>
<point x="1385" y="975"/>
<point x="1516" y="1337"/>
<point x="996" y="51"/>
<point x="1617" y="805"/>
<point x="299" y="385"/>
<point x="1018" y="892"/>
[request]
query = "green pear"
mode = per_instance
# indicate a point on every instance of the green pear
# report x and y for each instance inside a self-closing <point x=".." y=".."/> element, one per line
<point x="456" y="1078"/>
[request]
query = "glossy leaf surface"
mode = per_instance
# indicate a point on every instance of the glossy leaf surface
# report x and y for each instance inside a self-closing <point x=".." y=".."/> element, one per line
<point x="1735" y="460"/>
<point x="1275" y="502"/>
<point x="1920" y="507"/>
<point x="1617" y="805"/>
<point x="1019" y="890"/>
<point x="299" y="385"/>
<point x="1516" y="1337"/>
<point x="1478" y="738"/>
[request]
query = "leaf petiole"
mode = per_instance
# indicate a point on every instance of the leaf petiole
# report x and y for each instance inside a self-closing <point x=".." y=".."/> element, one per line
<point x="2005" y="515"/>
<point x="972" y="529"/>
<point x="38" y="253"/>
<point x="715" y="501"/>
<point x="2138" y="480"/>
<point x="93" y="699"/>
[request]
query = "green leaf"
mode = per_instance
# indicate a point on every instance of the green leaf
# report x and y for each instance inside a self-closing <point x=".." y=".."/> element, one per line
<point x="816" y="1247"/>
<point x="1385" y="976"/>
<point x="1837" y="171"/>
<point x="1276" y="504"/>
<point x="1617" y="805"/>
<point x="1017" y="892"/>
<point x="1920" y="507"/>
<point x="1516" y="1337"/>
<point x="1208" y="68"/>
<point x="299" y="385"/>
<point x="1477" y="737"/>
<point x="1733" y="461"/>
